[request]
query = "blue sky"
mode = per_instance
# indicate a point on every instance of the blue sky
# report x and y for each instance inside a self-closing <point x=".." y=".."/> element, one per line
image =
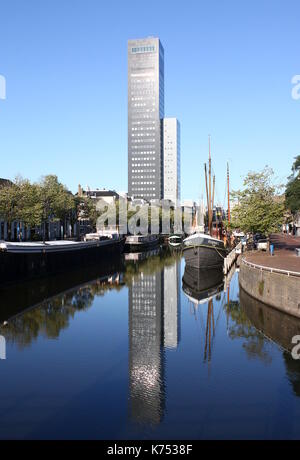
<point x="228" y="71"/>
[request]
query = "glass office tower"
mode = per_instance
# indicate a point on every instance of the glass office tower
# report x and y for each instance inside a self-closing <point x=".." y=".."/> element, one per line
<point x="145" y="112"/>
<point x="171" y="156"/>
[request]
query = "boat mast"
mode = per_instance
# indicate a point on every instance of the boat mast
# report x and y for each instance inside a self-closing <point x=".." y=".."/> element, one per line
<point x="213" y="196"/>
<point x="207" y="200"/>
<point x="209" y="192"/>
<point x="228" y="194"/>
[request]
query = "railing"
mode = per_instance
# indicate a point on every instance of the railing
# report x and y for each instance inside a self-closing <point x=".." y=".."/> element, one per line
<point x="270" y="269"/>
<point x="231" y="258"/>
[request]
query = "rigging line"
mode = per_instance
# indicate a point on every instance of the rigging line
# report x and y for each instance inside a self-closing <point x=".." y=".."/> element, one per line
<point x="225" y="194"/>
<point x="195" y="309"/>
<point x="199" y="334"/>
<point x="201" y="320"/>
<point x="214" y="332"/>
<point x="220" y="309"/>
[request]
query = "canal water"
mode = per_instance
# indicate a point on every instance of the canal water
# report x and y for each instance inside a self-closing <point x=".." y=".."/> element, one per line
<point x="149" y="350"/>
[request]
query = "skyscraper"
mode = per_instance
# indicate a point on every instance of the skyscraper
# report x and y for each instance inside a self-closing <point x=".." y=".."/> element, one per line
<point x="145" y="112"/>
<point x="171" y="159"/>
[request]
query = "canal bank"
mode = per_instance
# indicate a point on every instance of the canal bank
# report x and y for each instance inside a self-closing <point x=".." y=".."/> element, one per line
<point x="274" y="280"/>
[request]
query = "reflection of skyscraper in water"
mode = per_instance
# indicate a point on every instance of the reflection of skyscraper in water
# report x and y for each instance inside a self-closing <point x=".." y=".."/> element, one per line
<point x="172" y="305"/>
<point x="153" y="323"/>
<point x="145" y="348"/>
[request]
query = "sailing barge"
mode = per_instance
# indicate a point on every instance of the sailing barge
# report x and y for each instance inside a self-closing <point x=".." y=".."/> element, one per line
<point x="139" y="243"/>
<point x="204" y="251"/>
<point x="22" y="261"/>
<point x="201" y="250"/>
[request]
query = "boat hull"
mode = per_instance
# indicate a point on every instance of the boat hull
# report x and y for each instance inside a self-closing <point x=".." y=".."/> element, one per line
<point x="19" y="263"/>
<point x="204" y="256"/>
<point x="141" y="246"/>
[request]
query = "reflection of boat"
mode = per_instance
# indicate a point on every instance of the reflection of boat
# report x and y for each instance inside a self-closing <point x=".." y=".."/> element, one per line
<point x="141" y="242"/>
<point x="175" y="241"/>
<point x="204" y="251"/>
<point x="136" y="256"/>
<point x="202" y="285"/>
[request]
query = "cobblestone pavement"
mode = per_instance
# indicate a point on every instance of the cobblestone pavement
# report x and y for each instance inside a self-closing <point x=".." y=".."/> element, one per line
<point x="284" y="257"/>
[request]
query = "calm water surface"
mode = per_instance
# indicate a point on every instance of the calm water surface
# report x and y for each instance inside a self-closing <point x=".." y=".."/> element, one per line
<point x="150" y="350"/>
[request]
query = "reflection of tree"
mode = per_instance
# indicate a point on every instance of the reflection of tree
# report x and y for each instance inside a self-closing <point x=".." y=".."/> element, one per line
<point x="53" y="315"/>
<point x="240" y="327"/>
<point x="293" y="371"/>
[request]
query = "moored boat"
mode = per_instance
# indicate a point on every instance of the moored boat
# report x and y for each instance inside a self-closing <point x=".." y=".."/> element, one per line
<point x="20" y="261"/>
<point x="140" y="243"/>
<point x="199" y="249"/>
<point x="204" y="251"/>
<point x="175" y="241"/>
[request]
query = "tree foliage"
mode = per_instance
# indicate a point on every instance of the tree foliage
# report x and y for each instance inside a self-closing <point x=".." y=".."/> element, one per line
<point x="37" y="204"/>
<point x="258" y="207"/>
<point x="20" y="200"/>
<point x="292" y="193"/>
<point x="87" y="209"/>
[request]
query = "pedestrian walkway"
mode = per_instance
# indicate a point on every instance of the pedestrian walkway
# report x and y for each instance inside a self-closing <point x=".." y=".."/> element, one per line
<point x="284" y="258"/>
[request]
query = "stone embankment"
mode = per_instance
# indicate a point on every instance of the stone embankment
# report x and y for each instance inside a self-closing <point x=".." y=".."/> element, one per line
<point x="274" y="280"/>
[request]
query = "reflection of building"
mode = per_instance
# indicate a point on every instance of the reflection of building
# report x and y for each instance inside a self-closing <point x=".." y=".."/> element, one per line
<point x="172" y="305"/>
<point x="145" y="354"/>
<point x="153" y="323"/>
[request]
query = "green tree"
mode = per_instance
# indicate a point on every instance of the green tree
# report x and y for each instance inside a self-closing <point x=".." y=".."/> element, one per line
<point x="292" y="193"/>
<point x="258" y="207"/>
<point x="56" y="201"/>
<point x="20" y="201"/>
<point x="86" y="209"/>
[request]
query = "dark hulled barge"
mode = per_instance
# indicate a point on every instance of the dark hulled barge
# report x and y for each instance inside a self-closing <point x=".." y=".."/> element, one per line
<point x="204" y="251"/>
<point x="22" y="261"/>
